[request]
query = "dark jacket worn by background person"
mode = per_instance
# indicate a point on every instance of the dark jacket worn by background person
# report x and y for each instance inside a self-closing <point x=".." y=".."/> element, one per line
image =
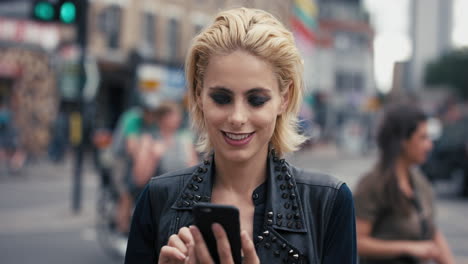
<point x="303" y="217"/>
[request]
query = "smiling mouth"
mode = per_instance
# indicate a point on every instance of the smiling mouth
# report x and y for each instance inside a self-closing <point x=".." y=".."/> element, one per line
<point x="237" y="137"/>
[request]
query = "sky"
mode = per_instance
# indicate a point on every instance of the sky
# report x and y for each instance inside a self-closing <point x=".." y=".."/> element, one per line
<point x="392" y="40"/>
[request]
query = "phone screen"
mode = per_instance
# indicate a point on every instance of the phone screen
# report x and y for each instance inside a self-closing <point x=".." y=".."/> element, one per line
<point x="206" y="214"/>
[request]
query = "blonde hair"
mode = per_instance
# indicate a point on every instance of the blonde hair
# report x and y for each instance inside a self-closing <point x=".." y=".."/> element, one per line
<point x="262" y="35"/>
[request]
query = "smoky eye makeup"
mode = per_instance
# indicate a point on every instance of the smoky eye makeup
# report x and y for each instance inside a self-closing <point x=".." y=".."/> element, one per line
<point x="221" y="98"/>
<point x="258" y="100"/>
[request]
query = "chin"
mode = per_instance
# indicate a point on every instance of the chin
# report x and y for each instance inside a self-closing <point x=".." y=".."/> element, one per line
<point x="237" y="156"/>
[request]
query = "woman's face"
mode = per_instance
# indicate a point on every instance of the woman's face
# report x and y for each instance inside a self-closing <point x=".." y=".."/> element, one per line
<point x="171" y="121"/>
<point x="418" y="146"/>
<point x="240" y="100"/>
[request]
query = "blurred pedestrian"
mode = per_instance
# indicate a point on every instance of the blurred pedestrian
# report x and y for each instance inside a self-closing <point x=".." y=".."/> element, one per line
<point x="165" y="149"/>
<point x="12" y="157"/>
<point x="394" y="202"/>
<point x="244" y="76"/>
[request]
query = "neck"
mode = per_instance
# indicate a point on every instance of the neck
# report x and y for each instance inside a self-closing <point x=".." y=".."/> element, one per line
<point x="241" y="177"/>
<point x="403" y="176"/>
<point x="402" y="169"/>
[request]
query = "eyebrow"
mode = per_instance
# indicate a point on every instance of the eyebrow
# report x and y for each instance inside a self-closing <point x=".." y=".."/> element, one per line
<point x="228" y="91"/>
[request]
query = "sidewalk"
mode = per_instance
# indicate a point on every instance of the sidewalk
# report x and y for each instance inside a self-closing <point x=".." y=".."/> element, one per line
<point x="39" y="199"/>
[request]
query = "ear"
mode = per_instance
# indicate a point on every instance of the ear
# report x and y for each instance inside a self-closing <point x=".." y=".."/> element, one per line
<point x="285" y="97"/>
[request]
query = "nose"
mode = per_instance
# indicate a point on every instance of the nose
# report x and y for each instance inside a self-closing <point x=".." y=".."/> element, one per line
<point x="238" y="116"/>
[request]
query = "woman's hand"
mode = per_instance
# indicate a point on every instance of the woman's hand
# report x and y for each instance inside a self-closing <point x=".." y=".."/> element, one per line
<point x="424" y="250"/>
<point x="177" y="248"/>
<point x="198" y="251"/>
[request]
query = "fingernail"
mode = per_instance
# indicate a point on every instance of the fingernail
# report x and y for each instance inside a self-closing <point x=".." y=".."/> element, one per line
<point x="216" y="227"/>
<point x="181" y="256"/>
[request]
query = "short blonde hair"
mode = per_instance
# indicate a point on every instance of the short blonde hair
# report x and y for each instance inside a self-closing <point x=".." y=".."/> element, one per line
<point x="262" y="35"/>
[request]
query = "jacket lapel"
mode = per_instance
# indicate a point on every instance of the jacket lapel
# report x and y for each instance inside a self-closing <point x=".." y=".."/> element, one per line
<point x="284" y="215"/>
<point x="198" y="188"/>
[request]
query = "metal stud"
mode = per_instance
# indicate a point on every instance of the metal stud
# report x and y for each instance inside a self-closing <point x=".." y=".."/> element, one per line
<point x="279" y="223"/>
<point x="195" y="187"/>
<point x="275" y="159"/>
<point x="199" y="179"/>
<point x="277" y="168"/>
<point x="298" y="225"/>
<point x="287" y="205"/>
<point x="186" y="203"/>
<point x="273" y="239"/>
<point x="291" y="252"/>
<point x="200" y="170"/>
<point x="190" y="186"/>
<point x="297" y="215"/>
<point x="260" y="238"/>
<point x="267" y="245"/>
<point x="270" y="214"/>
<point x="282" y="161"/>
<point x="279" y="216"/>
<point x="197" y="197"/>
<point x="283" y="246"/>
<point x="295" y="256"/>
<point x="269" y="222"/>
<point x="288" y="176"/>
<point x="206" y="162"/>
<point x="279" y="177"/>
<point x="190" y="197"/>
<point x="282" y="187"/>
<point x="184" y="196"/>
<point x="285" y="196"/>
<point x="289" y="216"/>
<point x="292" y="196"/>
<point x="205" y="170"/>
<point x="284" y="169"/>
<point x="277" y="253"/>
<point x="294" y="207"/>
<point x="266" y="233"/>
<point x="290" y="224"/>
<point x="290" y="185"/>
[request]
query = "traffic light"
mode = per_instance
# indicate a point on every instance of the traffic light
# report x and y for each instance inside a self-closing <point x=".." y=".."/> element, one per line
<point x="62" y="11"/>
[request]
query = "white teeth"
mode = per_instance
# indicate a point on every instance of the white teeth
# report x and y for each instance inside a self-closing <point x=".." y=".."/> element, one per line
<point x="237" y="137"/>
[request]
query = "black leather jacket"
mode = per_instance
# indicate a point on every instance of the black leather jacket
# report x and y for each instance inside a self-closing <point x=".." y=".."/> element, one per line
<point x="298" y="211"/>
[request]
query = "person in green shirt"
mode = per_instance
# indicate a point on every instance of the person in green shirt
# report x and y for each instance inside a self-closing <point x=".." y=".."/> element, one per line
<point x="154" y="144"/>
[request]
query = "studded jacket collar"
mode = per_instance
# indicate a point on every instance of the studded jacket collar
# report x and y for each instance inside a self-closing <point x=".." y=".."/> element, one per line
<point x="295" y="215"/>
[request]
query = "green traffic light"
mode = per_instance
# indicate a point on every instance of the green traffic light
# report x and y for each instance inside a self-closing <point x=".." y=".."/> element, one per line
<point x="68" y="12"/>
<point x="44" y="11"/>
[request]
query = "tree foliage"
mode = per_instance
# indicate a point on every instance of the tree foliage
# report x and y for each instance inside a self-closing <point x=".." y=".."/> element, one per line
<point x="451" y="70"/>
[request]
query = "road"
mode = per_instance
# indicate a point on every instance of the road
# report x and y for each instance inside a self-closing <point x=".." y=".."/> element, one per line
<point x="37" y="226"/>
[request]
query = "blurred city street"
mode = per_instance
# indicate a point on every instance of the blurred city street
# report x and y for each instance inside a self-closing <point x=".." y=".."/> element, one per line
<point x="106" y="78"/>
<point x="38" y="226"/>
<point x="36" y="221"/>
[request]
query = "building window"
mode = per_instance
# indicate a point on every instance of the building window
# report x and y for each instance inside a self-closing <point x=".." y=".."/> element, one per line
<point x="109" y="23"/>
<point x="349" y="82"/>
<point x="148" y="33"/>
<point x="197" y="29"/>
<point x="173" y="37"/>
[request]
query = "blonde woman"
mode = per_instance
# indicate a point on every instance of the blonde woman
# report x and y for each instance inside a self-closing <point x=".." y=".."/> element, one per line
<point x="244" y="76"/>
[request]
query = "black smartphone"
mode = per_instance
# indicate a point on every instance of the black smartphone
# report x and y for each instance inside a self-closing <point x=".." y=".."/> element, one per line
<point x="227" y="216"/>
